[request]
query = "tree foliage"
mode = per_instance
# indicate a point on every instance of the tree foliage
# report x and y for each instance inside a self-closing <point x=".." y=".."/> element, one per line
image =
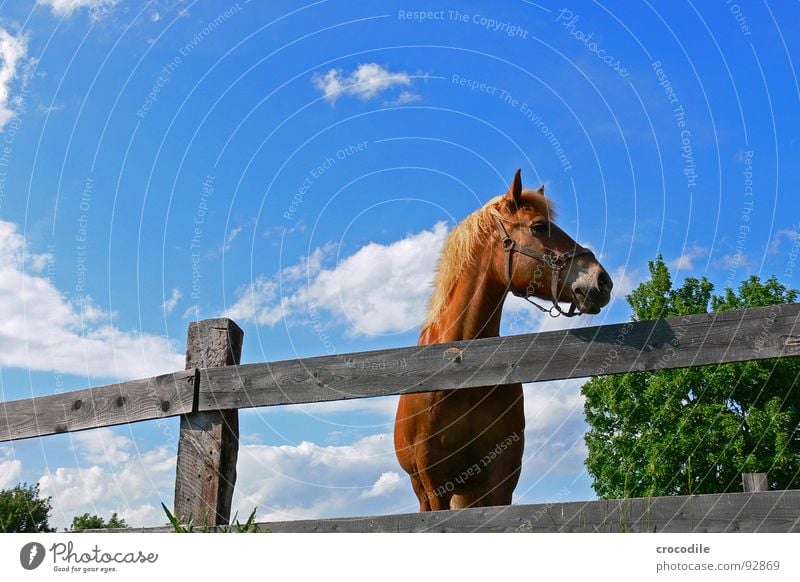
<point x="678" y="432"/>
<point x="87" y="521"/>
<point x="23" y="511"/>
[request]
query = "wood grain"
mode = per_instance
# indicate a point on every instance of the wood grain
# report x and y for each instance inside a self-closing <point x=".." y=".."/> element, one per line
<point x="208" y="446"/>
<point x="770" y="511"/>
<point x="731" y="336"/>
<point x="146" y="399"/>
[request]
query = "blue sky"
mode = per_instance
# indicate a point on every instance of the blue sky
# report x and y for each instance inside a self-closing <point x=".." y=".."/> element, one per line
<point x="296" y="166"/>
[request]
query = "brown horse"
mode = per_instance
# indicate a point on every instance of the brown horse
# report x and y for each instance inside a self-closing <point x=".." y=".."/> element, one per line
<point x="463" y="448"/>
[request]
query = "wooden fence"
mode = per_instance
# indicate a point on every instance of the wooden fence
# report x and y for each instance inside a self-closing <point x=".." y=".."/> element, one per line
<point x="208" y="394"/>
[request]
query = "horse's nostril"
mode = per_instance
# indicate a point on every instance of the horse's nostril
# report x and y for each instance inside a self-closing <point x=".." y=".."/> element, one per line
<point x="604" y="281"/>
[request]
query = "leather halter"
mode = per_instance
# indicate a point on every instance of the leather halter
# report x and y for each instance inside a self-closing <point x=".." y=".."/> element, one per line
<point x="556" y="262"/>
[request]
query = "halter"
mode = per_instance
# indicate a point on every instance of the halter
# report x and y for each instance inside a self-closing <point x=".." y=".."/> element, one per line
<point x="556" y="262"/>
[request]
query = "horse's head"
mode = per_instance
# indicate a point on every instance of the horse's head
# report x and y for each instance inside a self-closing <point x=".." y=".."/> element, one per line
<point x="543" y="261"/>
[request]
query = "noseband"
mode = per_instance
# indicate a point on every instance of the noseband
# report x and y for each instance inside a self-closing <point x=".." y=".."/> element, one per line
<point x="556" y="262"/>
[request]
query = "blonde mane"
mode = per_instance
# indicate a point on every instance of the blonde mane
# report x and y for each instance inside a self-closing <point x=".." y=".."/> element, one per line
<point x="460" y="249"/>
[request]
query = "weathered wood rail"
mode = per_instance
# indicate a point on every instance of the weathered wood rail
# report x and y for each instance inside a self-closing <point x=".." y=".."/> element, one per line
<point x="678" y="342"/>
<point x="208" y="393"/>
<point x="762" y="512"/>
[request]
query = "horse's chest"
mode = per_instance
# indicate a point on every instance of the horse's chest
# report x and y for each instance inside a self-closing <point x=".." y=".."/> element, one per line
<point x="477" y="419"/>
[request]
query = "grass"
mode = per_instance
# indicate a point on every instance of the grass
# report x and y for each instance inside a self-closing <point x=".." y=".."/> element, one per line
<point x="250" y="526"/>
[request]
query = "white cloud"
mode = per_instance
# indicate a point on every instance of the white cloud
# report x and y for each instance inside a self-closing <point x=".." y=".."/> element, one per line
<point x="43" y="330"/>
<point x="256" y="303"/>
<point x="691" y="253"/>
<point x="192" y="313"/>
<point x="365" y="83"/>
<point x="554" y="429"/>
<point x="308" y="267"/>
<point x="103" y="446"/>
<point x="10" y="468"/>
<point x="119" y="479"/>
<point x="310" y="480"/>
<point x="625" y="281"/>
<point x="732" y="261"/>
<point x="387" y="483"/>
<point x="97" y="8"/>
<point x="789" y="234"/>
<point x="232" y="234"/>
<point x="378" y="289"/>
<point x="170" y="304"/>
<point x="48" y="109"/>
<point x="12" y="56"/>
<point x="549" y="405"/>
<point x="288" y="481"/>
<point x="405" y="98"/>
<point x="144" y="515"/>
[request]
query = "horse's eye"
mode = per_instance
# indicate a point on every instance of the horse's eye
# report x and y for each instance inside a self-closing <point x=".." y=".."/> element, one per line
<point x="539" y="227"/>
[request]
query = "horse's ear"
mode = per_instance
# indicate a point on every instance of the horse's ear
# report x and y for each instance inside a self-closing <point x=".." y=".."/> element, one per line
<point x="540" y="190"/>
<point x="515" y="191"/>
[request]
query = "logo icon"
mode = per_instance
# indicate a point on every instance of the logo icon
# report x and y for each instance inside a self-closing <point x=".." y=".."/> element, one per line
<point x="31" y="555"/>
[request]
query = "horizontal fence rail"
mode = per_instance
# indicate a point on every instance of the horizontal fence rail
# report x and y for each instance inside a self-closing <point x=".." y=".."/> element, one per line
<point x="769" y="511"/>
<point x="678" y="342"/>
<point x="124" y="402"/>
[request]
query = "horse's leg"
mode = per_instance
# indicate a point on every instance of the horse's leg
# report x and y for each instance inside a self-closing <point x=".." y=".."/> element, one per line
<point x="492" y="495"/>
<point x="499" y="488"/>
<point x="436" y="492"/>
<point x="419" y="491"/>
<point x="503" y="491"/>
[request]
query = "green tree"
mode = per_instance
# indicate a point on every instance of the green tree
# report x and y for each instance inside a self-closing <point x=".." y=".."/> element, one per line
<point x="87" y="521"/>
<point x="23" y="511"/>
<point x="678" y="432"/>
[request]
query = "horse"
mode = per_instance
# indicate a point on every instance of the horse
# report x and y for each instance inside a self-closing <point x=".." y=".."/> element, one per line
<point x="463" y="448"/>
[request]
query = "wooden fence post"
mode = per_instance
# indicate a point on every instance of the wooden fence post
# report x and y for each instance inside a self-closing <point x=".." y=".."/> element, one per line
<point x="752" y="482"/>
<point x="209" y="441"/>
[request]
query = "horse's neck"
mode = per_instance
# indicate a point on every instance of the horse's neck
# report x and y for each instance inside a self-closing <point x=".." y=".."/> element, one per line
<point x="473" y="308"/>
